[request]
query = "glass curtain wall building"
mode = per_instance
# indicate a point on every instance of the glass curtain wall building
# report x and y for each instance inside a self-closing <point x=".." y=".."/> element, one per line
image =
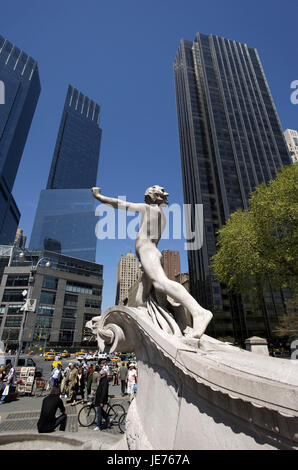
<point x="20" y="87"/>
<point x="65" y="218"/>
<point x="231" y="140"/>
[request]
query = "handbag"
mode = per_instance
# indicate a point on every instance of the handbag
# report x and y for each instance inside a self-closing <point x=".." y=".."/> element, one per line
<point x="6" y="391"/>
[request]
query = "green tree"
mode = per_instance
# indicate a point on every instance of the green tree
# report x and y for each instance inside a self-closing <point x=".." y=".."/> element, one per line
<point x="259" y="245"/>
<point x="287" y="326"/>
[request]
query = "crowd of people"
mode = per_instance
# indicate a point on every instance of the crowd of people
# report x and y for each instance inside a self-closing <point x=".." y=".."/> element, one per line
<point x="88" y="382"/>
<point x="80" y="382"/>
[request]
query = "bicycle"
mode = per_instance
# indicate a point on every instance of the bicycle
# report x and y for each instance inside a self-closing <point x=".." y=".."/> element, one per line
<point x="122" y="423"/>
<point x="88" y="413"/>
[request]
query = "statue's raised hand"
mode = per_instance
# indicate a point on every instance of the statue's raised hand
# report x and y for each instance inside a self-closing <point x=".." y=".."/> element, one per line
<point x="96" y="192"/>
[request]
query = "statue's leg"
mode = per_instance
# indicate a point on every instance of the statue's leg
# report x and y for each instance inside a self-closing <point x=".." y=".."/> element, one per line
<point x="201" y="317"/>
<point x="144" y="289"/>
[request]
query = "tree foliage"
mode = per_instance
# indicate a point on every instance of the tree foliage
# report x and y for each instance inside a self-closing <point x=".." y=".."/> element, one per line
<point x="261" y="242"/>
<point x="287" y="326"/>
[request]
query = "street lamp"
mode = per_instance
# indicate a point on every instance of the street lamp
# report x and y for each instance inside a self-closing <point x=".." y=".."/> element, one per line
<point x="30" y="304"/>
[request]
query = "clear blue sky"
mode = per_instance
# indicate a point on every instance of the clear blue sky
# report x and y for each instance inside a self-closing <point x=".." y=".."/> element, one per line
<point x="120" y="53"/>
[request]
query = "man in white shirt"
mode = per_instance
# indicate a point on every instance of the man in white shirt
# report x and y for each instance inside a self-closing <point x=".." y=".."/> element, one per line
<point x="105" y="367"/>
<point x="56" y="376"/>
<point x="131" y="379"/>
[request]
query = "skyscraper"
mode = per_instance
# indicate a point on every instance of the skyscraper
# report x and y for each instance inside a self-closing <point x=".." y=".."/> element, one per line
<point x="291" y="137"/>
<point x="128" y="271"/>
<point x="20" y="239"/>
<point x="65" y="219"/>
<point x="231" y="140"/>
<point x="171" y="263"/>
<point x="20" y="87"/>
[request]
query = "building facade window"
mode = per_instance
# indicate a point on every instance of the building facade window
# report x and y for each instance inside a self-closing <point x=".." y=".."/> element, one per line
<point x="66" y="336"/>
<point x="92" y="303"/>
<point x="70" y="300"/>
<point x="67" y="324"/>
<point x="69" y="313"/>
<point x="17" y="280"/>
<point x="50" y="282"/>
<point x="14" y="322"/>
<point x="12" y="295"/>
<point x="45" y="310"/>
<point x="47" y="298"/>
<point x="10" y="334"/>
<point x="43" y="322"/>
<point x="15" y="309"/>
<point x="82" y="288"/>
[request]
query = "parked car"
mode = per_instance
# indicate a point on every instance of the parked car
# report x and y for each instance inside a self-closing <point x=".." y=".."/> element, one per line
<point x="80" y="357"/>
<point x="115" y="358"/>
<point x="79" y="353"/>
<point x="49" y="355"/>
<point x="23" y="361"/>
<point x="65" y="353"/>
<point x="102" y="356"/>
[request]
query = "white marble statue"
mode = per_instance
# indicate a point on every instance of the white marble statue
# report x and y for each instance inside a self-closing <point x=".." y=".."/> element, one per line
<point x="151" y="228"/>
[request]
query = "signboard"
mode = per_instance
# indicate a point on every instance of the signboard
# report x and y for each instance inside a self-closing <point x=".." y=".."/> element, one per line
<point x="30" y="305"/>
<point x="24" y="375"/>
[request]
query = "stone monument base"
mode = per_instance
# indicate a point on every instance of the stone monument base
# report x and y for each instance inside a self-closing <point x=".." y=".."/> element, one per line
<point x="208" y="395"/>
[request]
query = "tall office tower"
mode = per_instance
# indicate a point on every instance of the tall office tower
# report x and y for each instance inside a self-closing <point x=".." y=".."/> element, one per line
<point x="128" y="271"/>
<point x="20" y="239"/>
<point x="171" y="263"/>
<point x="20" y="89"/>
<point x="231" y="140"/>
<point x="65" y="219"/>
<point x="291" y="137"/>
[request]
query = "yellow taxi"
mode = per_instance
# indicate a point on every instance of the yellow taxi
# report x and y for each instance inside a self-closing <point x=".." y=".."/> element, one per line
<point x="65" y="353"/>
<point x="115" y="358"/>
<point x="49" y="355"/>
<point x="79" y="353"/>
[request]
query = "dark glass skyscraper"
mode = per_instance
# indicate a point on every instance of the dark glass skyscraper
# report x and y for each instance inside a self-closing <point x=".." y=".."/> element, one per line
<point x="65" y="219"/>
<point x="21" y="86"/>
<point x="231" y="140"/>
<point x="75" y="161"/>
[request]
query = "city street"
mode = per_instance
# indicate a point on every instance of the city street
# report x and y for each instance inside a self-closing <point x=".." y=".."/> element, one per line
<point x="22" y="414"/>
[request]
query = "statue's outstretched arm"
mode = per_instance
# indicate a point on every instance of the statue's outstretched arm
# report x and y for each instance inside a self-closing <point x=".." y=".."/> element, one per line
<point x="117" y="203"/>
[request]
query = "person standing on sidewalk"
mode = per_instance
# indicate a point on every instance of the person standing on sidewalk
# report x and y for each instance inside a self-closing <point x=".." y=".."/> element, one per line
<point x="101" y="398"/>
<point x="116" y="375"/>
<point x="47" y="421"/>
<point x="56" y="376"/>
<point x="8" y="382"/>
<point x="71" y="381"/>
<point x="122" y="376"/>
<point x="89" y="373"/>
<point x="131" y="379"/>
<point x="80" y="386"/>
<point x="95" y="381"/>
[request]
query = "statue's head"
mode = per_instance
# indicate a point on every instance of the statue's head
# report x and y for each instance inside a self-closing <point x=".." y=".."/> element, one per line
<point x="156" y="195"/>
